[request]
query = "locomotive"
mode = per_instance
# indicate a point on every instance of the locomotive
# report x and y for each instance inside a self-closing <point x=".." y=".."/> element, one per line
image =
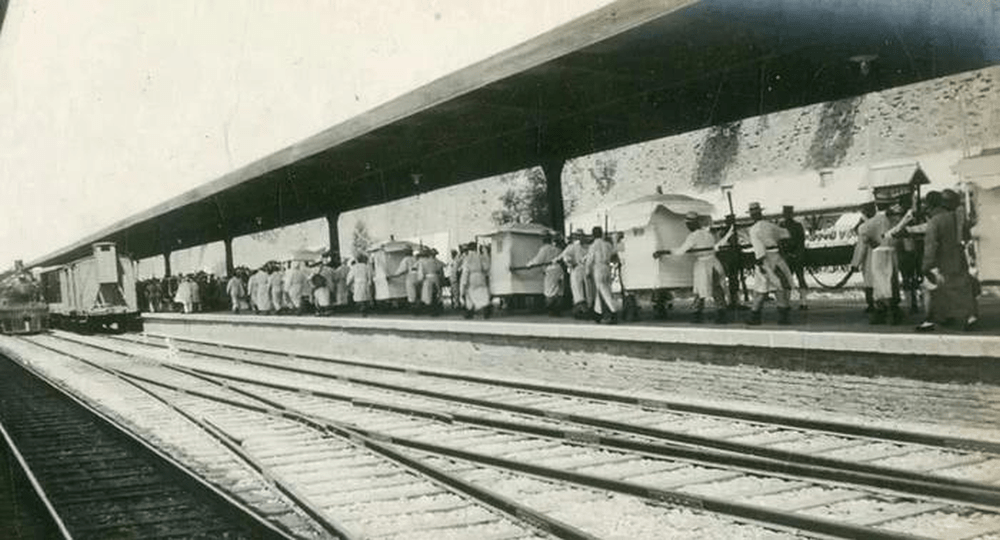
<point x="93" y="293"/>
<point x="21" y="308"/>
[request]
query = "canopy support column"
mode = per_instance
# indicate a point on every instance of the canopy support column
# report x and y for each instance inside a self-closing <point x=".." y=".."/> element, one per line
<point x="230" y="266"/>
<point x="553" y="190"/>
<point x="166" y="264"/>
<point x="334" y="236"/>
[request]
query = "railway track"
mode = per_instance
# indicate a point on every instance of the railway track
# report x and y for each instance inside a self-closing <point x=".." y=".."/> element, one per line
<point x="91" y="480"/>
<point x="862" y="449"/>
<point x="571" y="443"/>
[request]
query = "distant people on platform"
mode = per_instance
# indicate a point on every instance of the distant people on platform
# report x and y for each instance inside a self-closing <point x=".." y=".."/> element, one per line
<point x="709" y="273"/>
<point x="793" y="249"/>
<point x="476" y="281"/>
<point x="552" y="282"/>
<point x="184" y="294"/>
<point x="861" y="262"/>
<point x="771" y="272"/>
<point x="730" y="254"/>
<point x="408" y="270"/>
<point x="324" y="285"/>
<point x="430" y="274"/>
<point x="296" y="287"/>
<point x="237" y="292"/>
<point x="341" y="294"/>
<point x="454" y="271"/>
<point x="359" y="281"/>
<point x="153" y="295"/>
<point x="878" y="250"/>
<point x="580" y="281"/>
<point x="951" y="289"/>
<point x="259" y="290"/>
<point x="601" y="255"/>
<point x="276" y="287"/>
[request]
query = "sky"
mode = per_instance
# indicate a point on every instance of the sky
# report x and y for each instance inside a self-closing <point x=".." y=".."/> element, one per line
<point x="109" y="107"/>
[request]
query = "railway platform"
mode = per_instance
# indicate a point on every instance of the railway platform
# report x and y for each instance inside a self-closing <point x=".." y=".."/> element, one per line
<point x="832" y="336"/>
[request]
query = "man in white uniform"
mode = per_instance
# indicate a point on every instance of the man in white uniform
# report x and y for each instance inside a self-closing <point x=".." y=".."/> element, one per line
<point x="771" y="270"/>
<point x="430" y="270"/>
<point x="708" y="271"/>
<point x="260" y="293"/>
<point x="553" y="277"/>
<point x="579" y="281"/>
<point x="598" y="264"/>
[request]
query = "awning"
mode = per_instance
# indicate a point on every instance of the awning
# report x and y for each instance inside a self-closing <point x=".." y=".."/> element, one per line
<point x="637" y="213"/>
<point x="899" y="174"/>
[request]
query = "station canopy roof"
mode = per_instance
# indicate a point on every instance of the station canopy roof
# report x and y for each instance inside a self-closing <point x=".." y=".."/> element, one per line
<point x="632" y="71"/>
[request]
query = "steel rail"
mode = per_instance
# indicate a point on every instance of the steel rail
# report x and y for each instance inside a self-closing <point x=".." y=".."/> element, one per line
<point x="245" y="512"/>
<point x="673" y="497"/>
<point x="833" y="470"/>
<point x="36" y="486"/>
<point x="506" y="506"/>
<point x="667" y="405"/>
<point x="510" y="508"/>
<point x="736" y="454"/>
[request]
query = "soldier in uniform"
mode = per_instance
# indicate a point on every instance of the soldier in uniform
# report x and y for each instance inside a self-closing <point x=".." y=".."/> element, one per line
<point x="879" y="235"/>
<point x="579" y="281"/>
<point x="259" y="290"/>
<point x="234" y="287"/>
<point x="600" y="256"/>
<point x="430" y="271"/>
<point x="476" y="282"/>
<point x="771" y="269"/>
<point x="276" y="285"/>
<point x="359" y="280"/>
<point x="708" y="271"/>
<point x="552" y="284"/>
<point x="794" y="250"/>
<point x="861" y="260"/>
<point x="408" y="268"/>
<point x="731" y="257"/>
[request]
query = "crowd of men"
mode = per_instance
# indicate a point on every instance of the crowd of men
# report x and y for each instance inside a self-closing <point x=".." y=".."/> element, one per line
<point x="899" y="248"/>
<point x="890" y="256"/>
<point x="187" y="293"/>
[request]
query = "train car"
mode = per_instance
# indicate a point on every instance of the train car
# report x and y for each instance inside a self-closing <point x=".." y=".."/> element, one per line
<point x="385" y="259"/>
<point x="94" y="293"/>
<point x="22" y="310"/>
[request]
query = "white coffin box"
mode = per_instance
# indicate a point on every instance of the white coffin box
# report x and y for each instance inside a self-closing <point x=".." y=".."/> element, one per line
<point x="385" y="259"/>
<point x="653" y="223"/>
<point x="515" y="245"/>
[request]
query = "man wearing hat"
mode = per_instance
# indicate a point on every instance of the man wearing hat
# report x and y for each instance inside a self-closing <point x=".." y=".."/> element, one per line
<point x="771" y="269"/>
<point x="951" y="287"/>
<point x="598" y="262"/>
<point x="430" y="271"/>
<point x="359" y="280"/>
<point x="794" y="250"/>
<point x="580" y="283"/>
<point x="408" y="267"/>
<point x="476" y="282"/>
<point x="552" y="284"/>
<point x="708" y="271"/>
<point x="876" y="250"/>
